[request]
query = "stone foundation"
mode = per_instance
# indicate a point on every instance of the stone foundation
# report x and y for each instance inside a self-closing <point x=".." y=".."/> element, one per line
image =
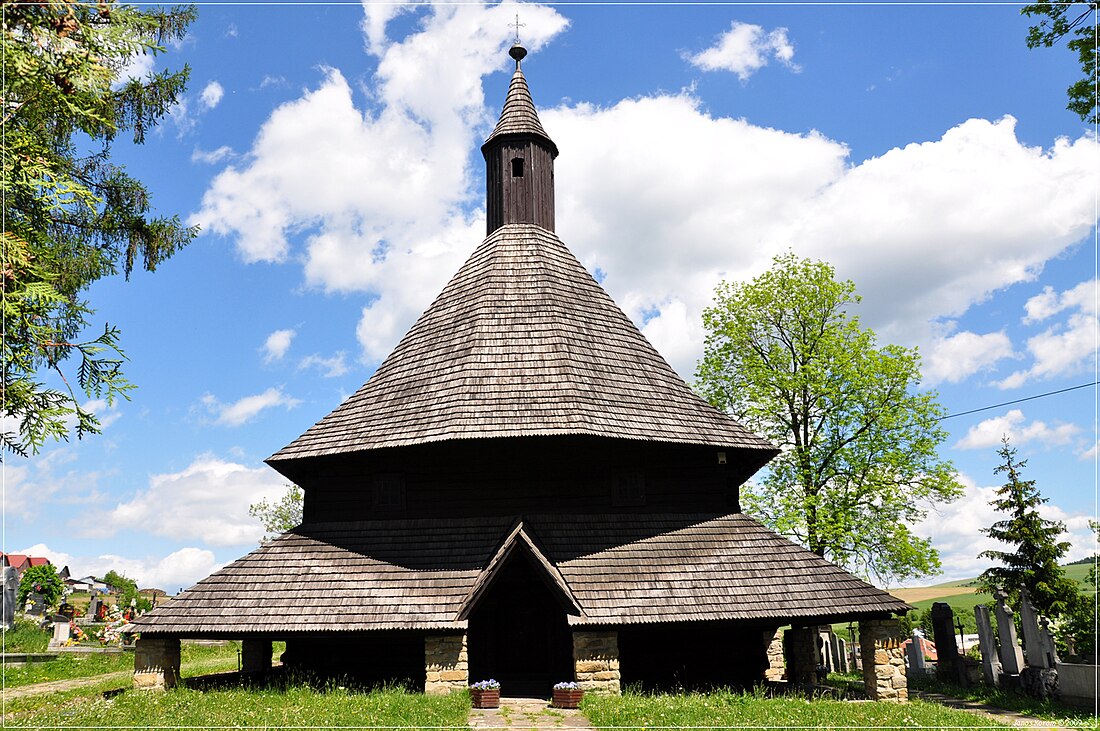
<point x="156" y="663"/>
<point x="256" y="656"/>
<point x="883" y="660"/>
<point x="446" y="667"/>
<point x="596" y="661"/>
<point x="773" y="640"/>
<point x="802" y="655"/>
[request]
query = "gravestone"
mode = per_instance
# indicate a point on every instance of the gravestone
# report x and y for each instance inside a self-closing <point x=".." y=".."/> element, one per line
<point x="949" y="664"/>
<point x="842" y="654"/>
<point x="94" y="611"/>
<point x="987" y="643"/>
<point x="68" y="611"/>
<point x="60" y="634"/>
<point x="36" y="604"/>
<point x="1012" y="657"/>
<point x="1047" y="639"/>
<point x="914" y="653"/>
<point x="8" y="597"/>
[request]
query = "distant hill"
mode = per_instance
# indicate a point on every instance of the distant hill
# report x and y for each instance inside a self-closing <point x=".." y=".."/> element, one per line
<point x="964" y="594"/>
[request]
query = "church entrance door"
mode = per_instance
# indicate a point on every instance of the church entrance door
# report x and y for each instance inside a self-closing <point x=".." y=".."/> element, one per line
<point x="518" y="633"/>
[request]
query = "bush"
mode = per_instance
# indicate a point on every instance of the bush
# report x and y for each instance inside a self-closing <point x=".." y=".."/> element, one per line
<point x="26" y="636"/>
<point x="42" y="580"/>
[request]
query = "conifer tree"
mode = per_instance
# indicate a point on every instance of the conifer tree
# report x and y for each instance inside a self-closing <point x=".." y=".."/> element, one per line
<point x="70" y="214"/>
<point x="1033" y="560"/>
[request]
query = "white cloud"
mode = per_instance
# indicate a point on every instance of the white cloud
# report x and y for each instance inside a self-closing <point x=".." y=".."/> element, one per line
<point x="30" y="487"/>
<point x="1065" y="348"/>
<point x="745" y="49"/>
<point x="107" y="414"/>
<point x="959" y="356"/>
<point x="381" y="191"/>
<point x="1090" y="453"/>
<point x="211" y="95"/>
<point x="212" y="157"/>
<point x="925" y="231"/>
<point x="987" y="434"/>
<point x="247" y="408"/>
<point x="330" y="367"/>
<point x="955" y="531"/>
<point x="277" y="344"/>
<point x="381" y="197"/>
<point x="208" y="501"/>
<point x="177" y="570"/>
<point x="136" y="67"/>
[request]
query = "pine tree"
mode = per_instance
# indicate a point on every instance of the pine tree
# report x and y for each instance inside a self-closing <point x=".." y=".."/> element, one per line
<point x="1034" y="561"/>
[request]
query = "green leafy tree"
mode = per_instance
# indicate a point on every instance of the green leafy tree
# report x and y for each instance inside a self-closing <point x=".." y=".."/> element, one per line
<point x="41" y="580"/>
<point x="1058" y="21"/>
<point x="280" y="515"/>
<point x="1036" y="550"/>
<point x="859" y="463"/>
<point x="127" y="590"/>
<point x="70" y="215"/>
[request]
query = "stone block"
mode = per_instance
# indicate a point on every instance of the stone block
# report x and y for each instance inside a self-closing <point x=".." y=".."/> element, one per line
<point x="606" y="675"/>
<point x="591" y="666"/>
<point x="898" y="681"/>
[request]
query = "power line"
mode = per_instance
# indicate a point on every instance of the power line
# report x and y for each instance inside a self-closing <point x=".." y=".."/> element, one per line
<point x="1019" y="400"/>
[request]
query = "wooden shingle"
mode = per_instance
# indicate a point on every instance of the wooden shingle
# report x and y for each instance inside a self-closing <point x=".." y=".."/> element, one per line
<point x="421" y="574"/>
<point x="521" y="342"/>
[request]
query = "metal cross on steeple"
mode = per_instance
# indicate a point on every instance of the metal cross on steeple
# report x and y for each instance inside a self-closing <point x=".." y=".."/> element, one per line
<point x="517" y="25"/>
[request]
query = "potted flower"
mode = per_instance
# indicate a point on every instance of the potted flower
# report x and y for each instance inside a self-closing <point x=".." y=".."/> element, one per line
<point x="567" y="695"/>
<point x="485" y="693"/>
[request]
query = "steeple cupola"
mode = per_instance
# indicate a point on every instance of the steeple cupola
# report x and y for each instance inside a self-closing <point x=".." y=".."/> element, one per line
<point x="519" y="160"/>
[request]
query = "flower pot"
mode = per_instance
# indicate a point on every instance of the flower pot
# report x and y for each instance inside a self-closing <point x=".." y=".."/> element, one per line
<point x="567" y="698"/>
<point x="485" y="698"/>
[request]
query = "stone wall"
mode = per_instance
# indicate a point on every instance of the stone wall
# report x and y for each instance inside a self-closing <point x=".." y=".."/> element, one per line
<point x="777" y="668"/>
<point x="156" y="663"/>
<point x="802" y="655"/>
<point x="596" y="661"/>
<point x="883" y="660"/>
<point x="445" y="664"/>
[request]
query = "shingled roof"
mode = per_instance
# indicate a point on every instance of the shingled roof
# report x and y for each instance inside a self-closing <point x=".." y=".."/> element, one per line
<point x="423" y="574"/>
<point x="519" y="116"/>
<point x="521" y="342"/>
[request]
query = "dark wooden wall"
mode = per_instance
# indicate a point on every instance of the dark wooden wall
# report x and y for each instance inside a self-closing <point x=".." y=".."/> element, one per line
<point x="522" y="475"/>
<point x="527" y="199"/>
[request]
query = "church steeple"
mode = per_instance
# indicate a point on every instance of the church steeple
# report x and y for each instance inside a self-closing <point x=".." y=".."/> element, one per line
<point x="519" y="160"/>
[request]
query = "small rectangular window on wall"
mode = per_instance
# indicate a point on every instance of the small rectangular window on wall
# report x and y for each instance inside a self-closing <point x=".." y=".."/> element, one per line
<point x="517" y="167"/>
<point x="388" y="493"/>
<point x="627" y="489"/>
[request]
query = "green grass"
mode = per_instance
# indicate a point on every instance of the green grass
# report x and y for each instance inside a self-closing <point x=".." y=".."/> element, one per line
<point x="1049" y="710"/>
<point x="80" y="665"/>
<point x="961" y="603"/>
<point x="26" y="637"/>
<point x="297" y="705"/>
<point x="724" y="708"/>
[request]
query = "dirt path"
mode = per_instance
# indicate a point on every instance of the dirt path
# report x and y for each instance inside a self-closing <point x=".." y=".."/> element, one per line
<point x="1012" y="718"/>
<point x="57" y="686"/>
<point x="521" y="714"/>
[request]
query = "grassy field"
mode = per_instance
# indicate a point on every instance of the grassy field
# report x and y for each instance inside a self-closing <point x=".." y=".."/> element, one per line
<point x="80" y="665"/>
<point x="266" y="708"/>
<point x="754" y="711"/>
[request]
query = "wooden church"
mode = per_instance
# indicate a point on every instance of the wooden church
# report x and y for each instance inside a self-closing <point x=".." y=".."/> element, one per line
<point x="524" y="490"/>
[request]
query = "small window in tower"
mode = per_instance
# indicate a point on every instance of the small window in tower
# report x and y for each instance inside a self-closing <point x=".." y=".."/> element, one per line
<point x="389" y="493"/>
<point x="627" y="489"/>
<point x="517" y="167"/>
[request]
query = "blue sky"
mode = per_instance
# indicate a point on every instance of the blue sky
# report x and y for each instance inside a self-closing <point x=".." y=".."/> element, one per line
<point x="330" y="154"/>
